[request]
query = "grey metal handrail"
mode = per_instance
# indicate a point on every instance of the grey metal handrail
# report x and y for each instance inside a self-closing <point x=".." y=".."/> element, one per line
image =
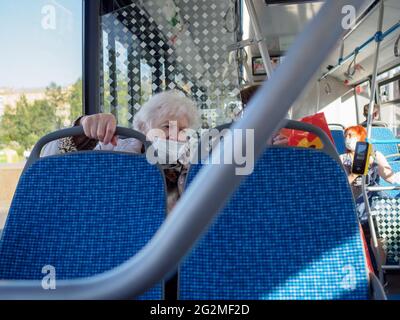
<point x="364" y="184"/>
<point x="77" y="131"/>
<point x="262" y="43"/>
<point x="327" y="145"/>
<point x="383" y="188"/>
<point x="378" y="292"/>
<point x="377" y="37"/>
<point x="195" y="211"/>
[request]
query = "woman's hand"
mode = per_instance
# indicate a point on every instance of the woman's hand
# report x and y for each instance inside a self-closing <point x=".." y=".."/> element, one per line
<point x="279" y="140"/>
<point x="101" y="127"/>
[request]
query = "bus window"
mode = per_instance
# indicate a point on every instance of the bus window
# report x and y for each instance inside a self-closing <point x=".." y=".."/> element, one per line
<point x="388" y="74"/>
<point x="40" y="80"/>
<point x="389" y="94"/>
<point x="341" y="110"/>
<point x="363" y="95"/>
<point x="151" y="46"/>
<point x="390" y="91"/>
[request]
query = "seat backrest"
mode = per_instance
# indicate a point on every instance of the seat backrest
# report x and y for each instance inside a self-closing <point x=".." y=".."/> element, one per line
<point x="338" y="138"/>
<point x="290" y="231"/>
<point x="82" y="213"/>
<point x="336" y="126"/>
<point x="382" y="133"/>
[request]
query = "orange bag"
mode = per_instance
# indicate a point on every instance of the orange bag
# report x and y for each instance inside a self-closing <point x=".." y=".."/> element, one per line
<point x="304" y="139"/>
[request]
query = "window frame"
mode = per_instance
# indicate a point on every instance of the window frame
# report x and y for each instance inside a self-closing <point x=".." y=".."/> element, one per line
<point x="385" y="82"/>
<point x="91" y="56"/>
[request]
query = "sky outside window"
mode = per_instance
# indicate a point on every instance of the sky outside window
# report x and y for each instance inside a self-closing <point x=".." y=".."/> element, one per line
<point x="40" y="42"/>
<point x="40" y="86"/>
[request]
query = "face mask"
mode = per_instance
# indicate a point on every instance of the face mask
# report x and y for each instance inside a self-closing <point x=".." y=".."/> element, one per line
<point x="351" y="143"/>
<point x="169" y="151"/>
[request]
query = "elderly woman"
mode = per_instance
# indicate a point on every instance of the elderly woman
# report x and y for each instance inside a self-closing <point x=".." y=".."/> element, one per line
<point x="168" y="112"/>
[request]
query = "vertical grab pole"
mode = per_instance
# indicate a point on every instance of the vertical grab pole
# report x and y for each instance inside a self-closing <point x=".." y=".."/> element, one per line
<point x="341" y="53"/>
<point x="262" y="44"/>
<point x="91" y="56"/>
<point x="369" y="126"/>
<point x="318" y="95"/>
<point x="358" y="118"/>
<point x="375" y="69"/>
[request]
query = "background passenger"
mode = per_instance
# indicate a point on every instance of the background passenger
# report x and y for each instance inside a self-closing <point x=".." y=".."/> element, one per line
<point x="246" y="95"/>
<point x="375" y="117"/>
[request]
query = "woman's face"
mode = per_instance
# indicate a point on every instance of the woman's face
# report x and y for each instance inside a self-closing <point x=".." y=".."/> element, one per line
<point x="170" y="127"/>
<point x="350" y="134"/>
<point x="351" y="139"/>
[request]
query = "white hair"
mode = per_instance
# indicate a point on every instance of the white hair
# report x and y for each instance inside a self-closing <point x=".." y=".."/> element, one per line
<point x="165" y="104"/>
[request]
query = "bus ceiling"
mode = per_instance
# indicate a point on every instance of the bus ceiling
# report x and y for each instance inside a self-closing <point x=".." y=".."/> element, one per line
<point x="280" y="24"/>
<point x="352" y="61"/>
<point x="281" y="21"/>
<point x="286" y="2"/>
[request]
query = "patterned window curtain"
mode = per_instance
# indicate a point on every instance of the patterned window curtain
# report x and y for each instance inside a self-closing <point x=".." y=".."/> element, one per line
<point x="156" y="45"/>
